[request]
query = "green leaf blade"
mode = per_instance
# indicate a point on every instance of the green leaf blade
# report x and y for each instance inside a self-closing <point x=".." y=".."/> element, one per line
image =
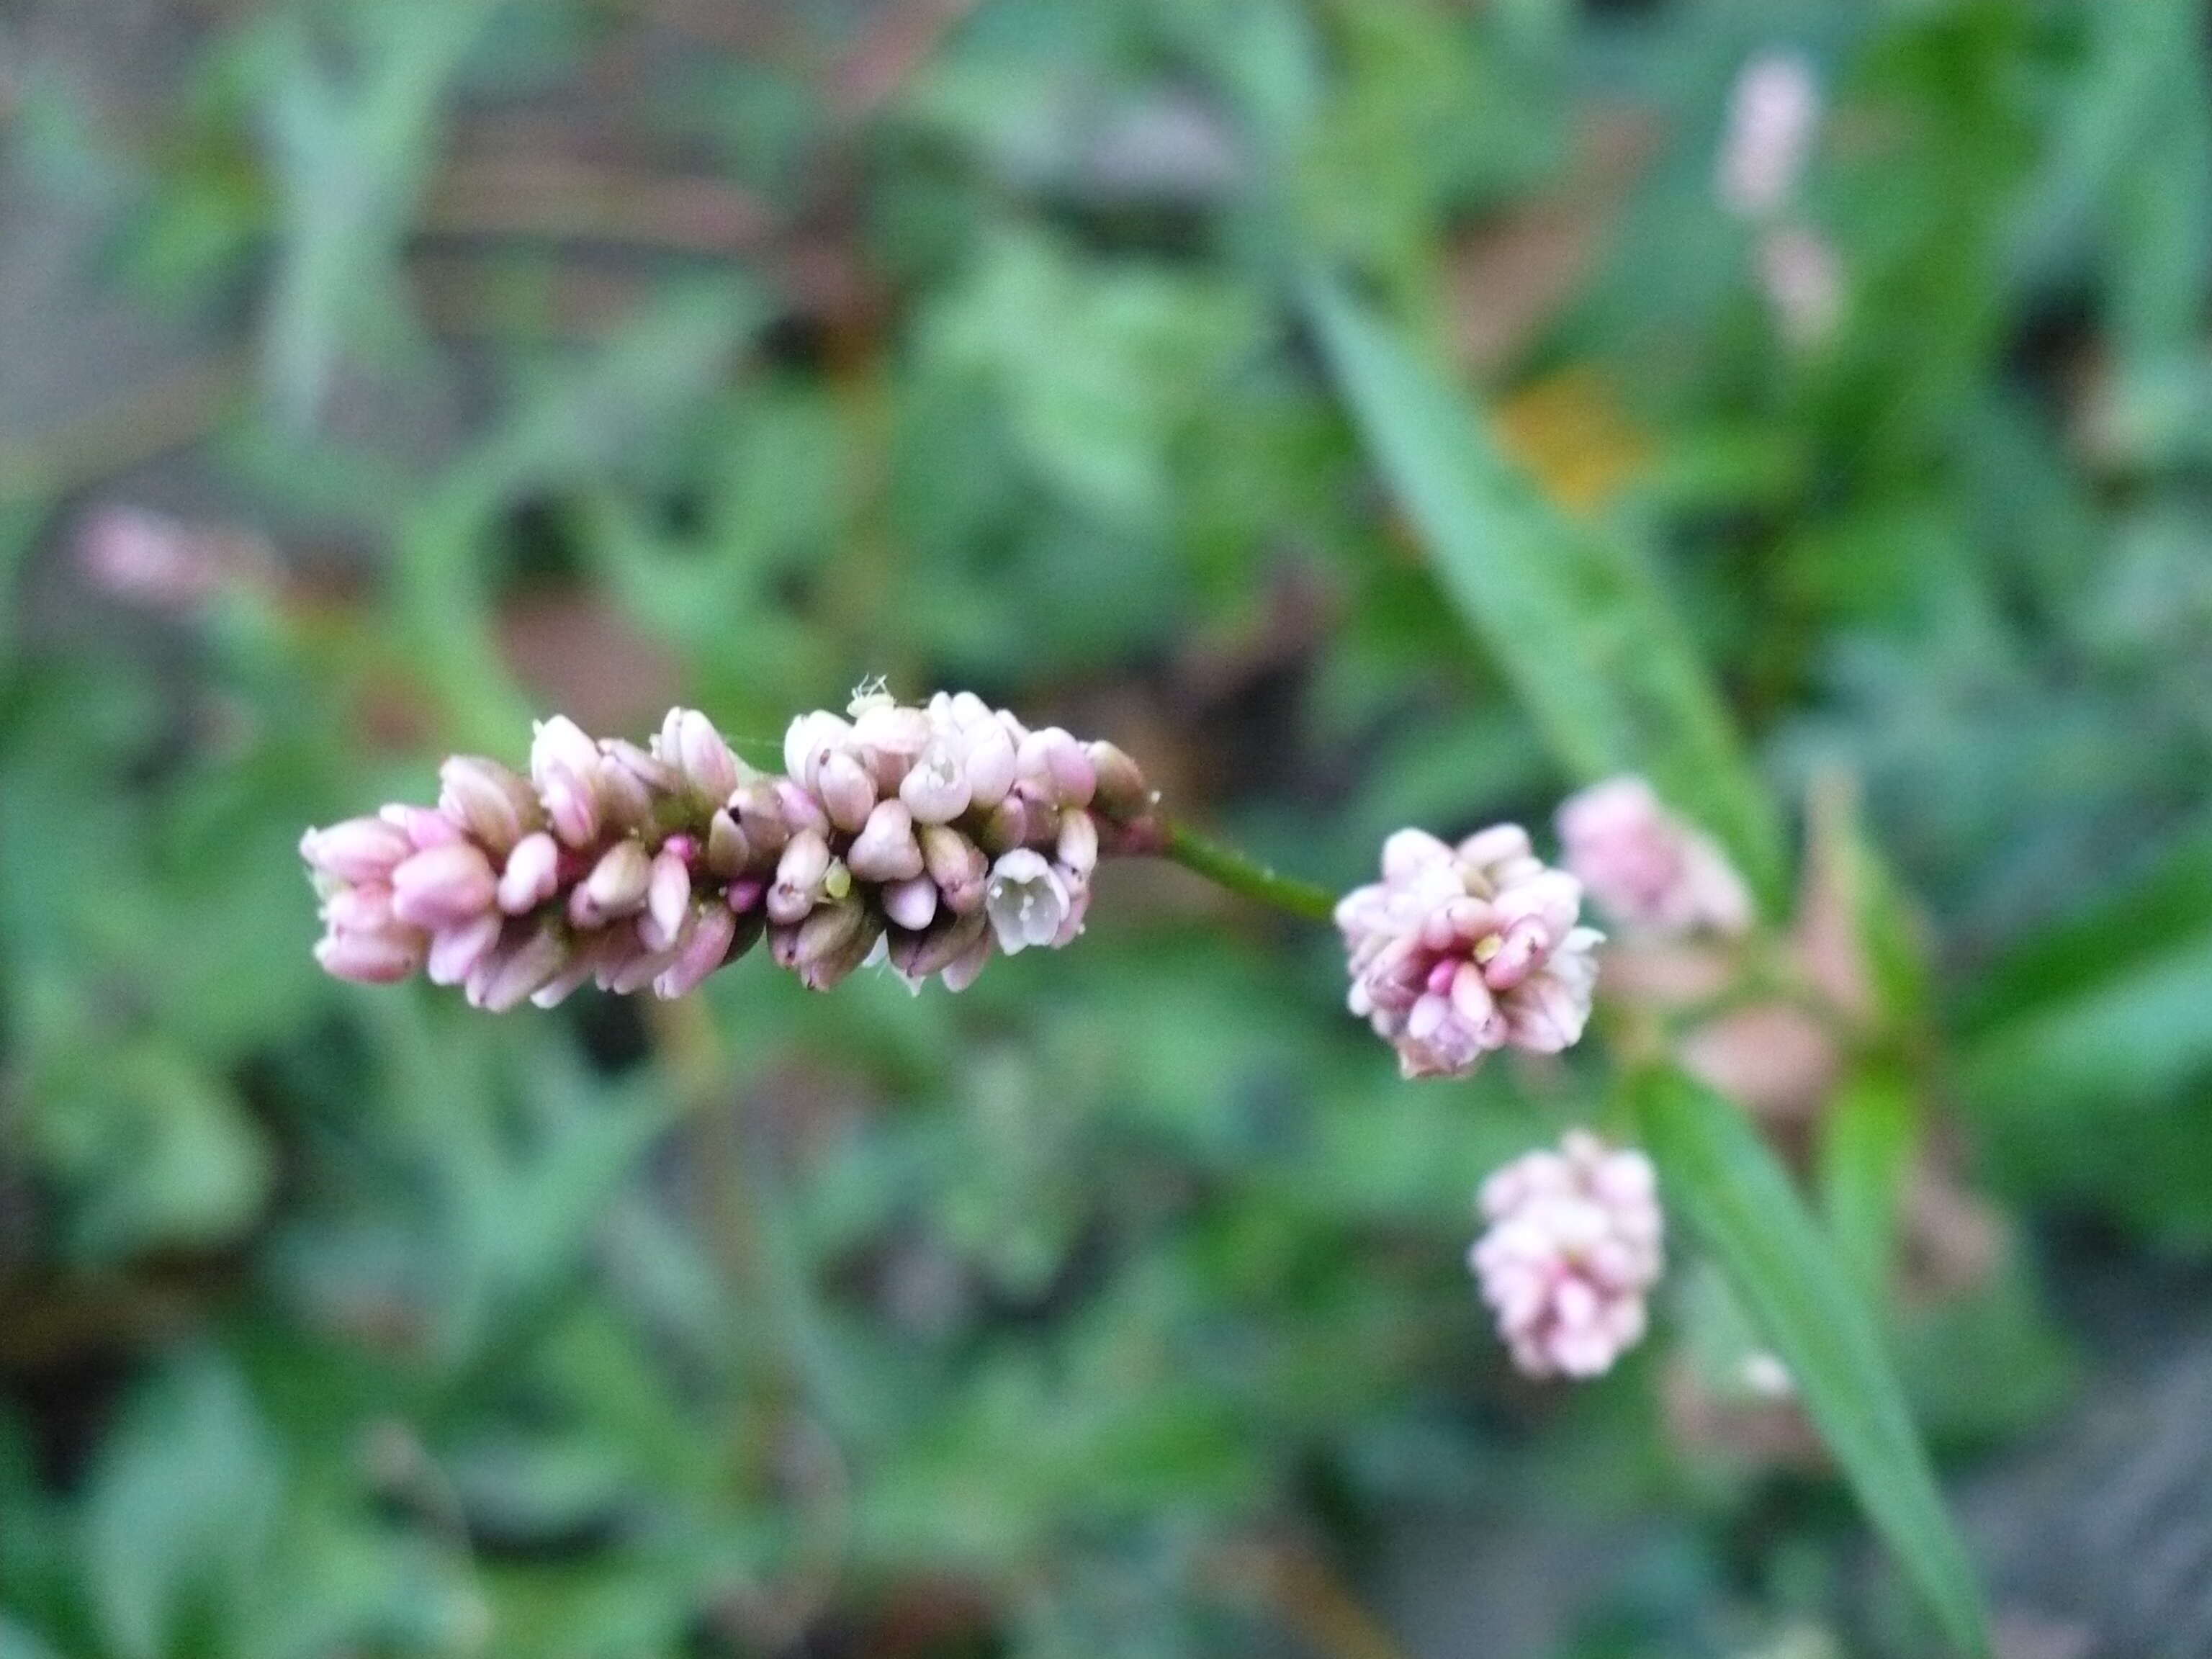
<point x="1717" y="1173"/>
<point x="1572" y="616"/>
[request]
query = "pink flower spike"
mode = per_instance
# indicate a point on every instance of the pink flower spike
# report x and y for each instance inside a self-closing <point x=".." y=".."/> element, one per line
<point x="1647" y="868"/>
<point x="1572" y="1248"/>
<point x="1459" y="951"/>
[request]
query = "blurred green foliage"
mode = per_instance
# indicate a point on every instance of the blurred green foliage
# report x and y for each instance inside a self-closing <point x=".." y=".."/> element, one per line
<point x="589" y="355"/>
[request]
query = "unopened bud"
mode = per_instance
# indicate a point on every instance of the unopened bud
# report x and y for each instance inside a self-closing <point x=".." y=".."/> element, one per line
<point x="799" y="875"/>
<point x="911" y="904"/>
<point x="508" y="975"/>
<point x="690" y="740"/>
<point x="667" y="898"/>
<point x="357" y="850"/>
<point x="917" y="956"/>
<point x="1078" y="844"/>
<point x="1007" y="826"/>
<point x="369" y="958"/>
<point x="626" y="794"/>
<point x="571" y="798"/>
<point x="1057" y="764"/>
<point x="455" y="952"/>
<point x="705" y="947"/>
<point x="727" y="850"/>
<point x="618" y="881"/>
<point x="1121" y="793"/>
<point x="846" y="791"/>
<point x="955" y="865"/>
<point x="442" y="886"/>
<point x="494" y="804"/>
<point x="936" y="790"/>
<point x="532" y="874"/>
<point x="885" y="849"/>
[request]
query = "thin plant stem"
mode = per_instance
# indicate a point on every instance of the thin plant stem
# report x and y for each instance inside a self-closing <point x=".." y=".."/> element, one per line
<point x="1226" y="867"/>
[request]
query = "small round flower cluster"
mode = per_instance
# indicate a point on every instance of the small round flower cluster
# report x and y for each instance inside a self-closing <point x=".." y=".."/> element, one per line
<point x="928" y="835"/>
<point x="1573" y="1247"/>
<point x="1458" y="951"/>
<point x="1646" y="868"/>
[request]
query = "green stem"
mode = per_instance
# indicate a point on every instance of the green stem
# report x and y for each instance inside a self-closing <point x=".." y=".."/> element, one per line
<point x="1226" y="867"/>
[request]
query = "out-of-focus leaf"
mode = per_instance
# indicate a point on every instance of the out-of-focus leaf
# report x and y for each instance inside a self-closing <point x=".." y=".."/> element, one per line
<point x="1572" y="616"/>
<point x="181" y="1508"/>
<point x="1718" y="1175"/>
<point x="350" y="159"/>
<point x="1869" y="1133"/>
<point x="18" y="1643"/>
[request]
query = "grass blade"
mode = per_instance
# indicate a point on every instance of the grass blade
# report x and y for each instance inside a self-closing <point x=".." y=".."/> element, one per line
<point x="1719" y="1176"/>
<point x="1572" y="616"/>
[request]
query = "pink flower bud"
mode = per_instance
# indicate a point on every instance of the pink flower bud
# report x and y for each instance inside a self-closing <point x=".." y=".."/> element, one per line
<point x="1078" y="845"/>
<point x="424" y="827"/>
<point x="456" y="951"/>
<point x="795" y="808"/>
<point x="650" y="773"/>
<point x="507" y="976"/>
<point x="532" y="874"/>
<point x="365" y="909"/>
<point x="705" y="947"/>
<point x="911" y="904"/>
<point x="667" y="900"/>
<point x="443" y="886"/>
<point x="728" y="851"/>
<point x="936" y="790"/>
<point x="1122" y="793"/>
<point x="1007" y="826"/>
<point x="1058" y="765"/>
<point x="885" y="849"/>
<point x="917" y="956"/>
<point x="582" y="964"/>
<point x="833" y="941"/>
<point x="957" y="865"/>
<point x="617" y="884"/>
<point x="628" y="967"/>
<point x="571" y="800"/>
<point x="987" y="759"/>
<point x="961" y="972"/>
<point x="810" y="740"/>
<point x="357" y="850"/>
<point x="559" y="741"/>
<point x="626" y="793"/>
<point x="888" y="738"/>
<point x="846" y="790"/>
<point x="369" y="958"/>
<point x="492" y="804"/>
<point x="799" y="875"/>
<point x="691" y="743"/>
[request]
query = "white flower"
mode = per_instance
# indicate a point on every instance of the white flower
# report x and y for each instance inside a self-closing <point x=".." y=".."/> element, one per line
<point x="1026" y="901"/>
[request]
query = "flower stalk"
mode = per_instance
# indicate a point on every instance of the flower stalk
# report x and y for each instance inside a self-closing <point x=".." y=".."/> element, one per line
<point x="1231" y="870"/>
